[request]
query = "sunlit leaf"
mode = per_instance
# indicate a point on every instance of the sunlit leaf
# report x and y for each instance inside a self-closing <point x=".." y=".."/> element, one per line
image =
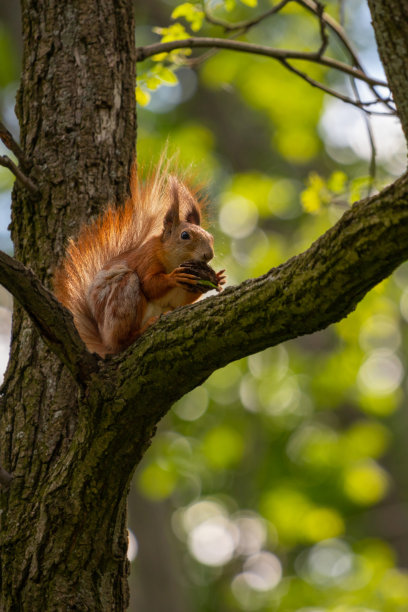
<point x="337" y="181"/>
<point x="191" y="12"/>
<point x="167" y="76"/>
<point x="142" y="96"/>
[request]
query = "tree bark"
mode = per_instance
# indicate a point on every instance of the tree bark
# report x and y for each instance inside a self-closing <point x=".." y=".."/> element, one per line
<point x="390" y="21"/>
<point x="77" y="115"/>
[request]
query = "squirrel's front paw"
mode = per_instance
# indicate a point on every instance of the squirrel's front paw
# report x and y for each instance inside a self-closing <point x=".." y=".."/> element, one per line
<point x="208" y="278"/>
<point x="186" y="281"/>
<point x="221" y="279"/>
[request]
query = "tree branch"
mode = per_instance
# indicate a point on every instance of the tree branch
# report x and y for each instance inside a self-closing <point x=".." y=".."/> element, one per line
<point x="52" y="320"/>
<point x="20" y="176"/>
<point x="243" y="25"/>
<point x="323" y="33"/>
<point x="303" y="295"/>
<point x="11" y="144"/>
<point x="357" y="102"/>
<point x="143" y="53"/>
<point x="326" y="22"/>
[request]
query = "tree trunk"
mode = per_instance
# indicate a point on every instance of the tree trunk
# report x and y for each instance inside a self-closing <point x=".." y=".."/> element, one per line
<point x="61" y="549"/>
<point x="390" y="21"/>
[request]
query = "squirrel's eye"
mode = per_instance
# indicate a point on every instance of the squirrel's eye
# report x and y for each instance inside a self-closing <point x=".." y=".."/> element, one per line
<point x="185" y="236"/>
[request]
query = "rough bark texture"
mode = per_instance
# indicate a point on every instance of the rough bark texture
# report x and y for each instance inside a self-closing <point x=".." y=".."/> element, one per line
<point x="72" y="436"/>
<point x="390" y="21"/>
<point x="60" y="549"/>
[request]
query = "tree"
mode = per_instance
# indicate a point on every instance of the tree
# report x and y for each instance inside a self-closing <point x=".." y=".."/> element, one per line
<point x="74" y="427"/>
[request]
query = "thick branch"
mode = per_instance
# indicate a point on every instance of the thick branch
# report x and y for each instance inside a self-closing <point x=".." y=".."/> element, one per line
<point x="52" y="320"/>
<point x="135" y="389"/>
<point x="237" y="45"/>
<point x="306" y="294"/>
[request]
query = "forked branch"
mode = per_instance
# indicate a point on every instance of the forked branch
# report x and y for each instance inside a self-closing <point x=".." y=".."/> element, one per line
<point x="325" y="22"/>
<point x="143" y="53"/>
<point x="12" y="145"/>
<point x="52" y="320"/>
<point x="283" y="55"/>
<point x="22" y="178"/>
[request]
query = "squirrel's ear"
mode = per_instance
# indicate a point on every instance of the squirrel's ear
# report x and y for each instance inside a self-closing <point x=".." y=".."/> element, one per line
<point x="193" y="214"/>
<point x="172" y="217"/>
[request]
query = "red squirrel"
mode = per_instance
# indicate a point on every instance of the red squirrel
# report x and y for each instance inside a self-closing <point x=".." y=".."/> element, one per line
<point x="124" y="269"/>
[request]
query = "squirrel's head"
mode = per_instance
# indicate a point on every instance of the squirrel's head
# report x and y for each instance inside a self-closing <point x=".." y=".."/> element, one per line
<point x="183" y="238"/>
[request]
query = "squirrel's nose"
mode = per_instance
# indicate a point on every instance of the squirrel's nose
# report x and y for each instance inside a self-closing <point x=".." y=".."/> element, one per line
<point x="209" y="254"/>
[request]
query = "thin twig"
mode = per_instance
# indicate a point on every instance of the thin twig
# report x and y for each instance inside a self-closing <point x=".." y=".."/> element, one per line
<point x="243" y="25"/>
<point x="323" y="32"/>
<point x="373" y="157"/>
<point x="143" y="53"/>
<point x="312" y="6"/>
<point x="19" y="174"/>
<point x="358" y="103"/>
<point x="5" y="477"/>
<point x="11" y="144"/>
<point x="338" y="30"/>
<point x="370" y="132"/>
<point x="325" y="21"/>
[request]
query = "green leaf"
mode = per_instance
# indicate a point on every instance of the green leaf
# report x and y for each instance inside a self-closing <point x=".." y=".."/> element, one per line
<point x="337" y="181"/>
<point x="174" y="32"/>
<point x="191" y="13"/>
<point x="142" y="96"/>
<point x="152" y="82"/>
<point x="167" y="75"/>
<point x="186" y="10"/>
<point x="207" y="283"/>
<point x="315" y="195"/>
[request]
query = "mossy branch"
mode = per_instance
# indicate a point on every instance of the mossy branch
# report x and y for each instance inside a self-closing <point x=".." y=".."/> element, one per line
<point x="52" y="320"/>
<point x="305" y="294"/>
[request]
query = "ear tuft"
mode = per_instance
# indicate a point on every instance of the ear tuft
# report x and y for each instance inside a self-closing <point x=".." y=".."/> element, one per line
<point x="193" y="214"/>
<point x="172" y="216"/>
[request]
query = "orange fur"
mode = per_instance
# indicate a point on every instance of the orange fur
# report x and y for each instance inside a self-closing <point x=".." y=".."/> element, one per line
<point x="121" y="271"/>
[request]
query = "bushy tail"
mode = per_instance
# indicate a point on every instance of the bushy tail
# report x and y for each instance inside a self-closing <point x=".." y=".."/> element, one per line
<point x="116" y="231"/>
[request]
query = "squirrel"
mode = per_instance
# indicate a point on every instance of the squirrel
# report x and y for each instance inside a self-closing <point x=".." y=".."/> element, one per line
<point x="136" y="262"/>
